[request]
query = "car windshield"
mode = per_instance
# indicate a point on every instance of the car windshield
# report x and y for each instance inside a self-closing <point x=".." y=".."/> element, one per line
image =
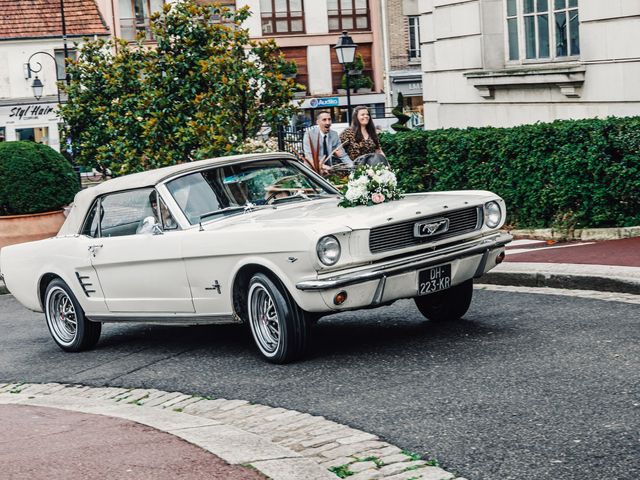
<point x="235" y="189"/>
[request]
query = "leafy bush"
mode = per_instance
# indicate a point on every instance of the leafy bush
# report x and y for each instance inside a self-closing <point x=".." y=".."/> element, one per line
<point x="34" y="178"/>
<point x="565" y="174"/>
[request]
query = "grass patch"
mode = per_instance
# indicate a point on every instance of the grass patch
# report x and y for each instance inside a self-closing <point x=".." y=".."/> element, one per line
<point x="341" y="471"/>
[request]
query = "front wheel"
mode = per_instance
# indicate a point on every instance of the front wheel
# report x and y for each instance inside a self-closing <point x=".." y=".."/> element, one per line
<point x="66" y="321"/>
<point x="278" y="325"/>
<point x="446" y="305"/>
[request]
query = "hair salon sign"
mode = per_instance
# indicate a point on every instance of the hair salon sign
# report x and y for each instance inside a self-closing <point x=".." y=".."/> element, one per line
<point x="30" y="112"/>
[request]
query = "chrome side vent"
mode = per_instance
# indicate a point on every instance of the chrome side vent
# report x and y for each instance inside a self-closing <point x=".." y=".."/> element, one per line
<point x="86" y="286"/>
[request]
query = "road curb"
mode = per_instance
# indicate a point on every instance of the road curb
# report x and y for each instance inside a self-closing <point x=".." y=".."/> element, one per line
<point x="282" y="444"/>
<point x="583" y="234"/>
<point x="552" y="276"/>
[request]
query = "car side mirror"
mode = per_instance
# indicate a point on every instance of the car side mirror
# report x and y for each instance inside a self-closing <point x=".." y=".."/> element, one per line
<point x="156" y="229"/>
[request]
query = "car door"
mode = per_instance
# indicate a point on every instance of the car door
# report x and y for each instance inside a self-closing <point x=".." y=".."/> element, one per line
<point x="139" y="264"/>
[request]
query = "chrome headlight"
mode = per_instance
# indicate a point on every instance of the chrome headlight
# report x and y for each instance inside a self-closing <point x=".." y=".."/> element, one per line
<point x="492" y="214"/>
<point x="328" y="250"/>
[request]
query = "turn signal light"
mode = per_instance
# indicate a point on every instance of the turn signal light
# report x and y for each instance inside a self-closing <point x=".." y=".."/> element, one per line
<point x="500" y="258"/>
<point x="340" y="298"/>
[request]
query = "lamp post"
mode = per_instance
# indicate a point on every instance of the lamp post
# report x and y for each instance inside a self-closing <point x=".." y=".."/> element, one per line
<point x="346" y="52"/>
<point x="37" y="84"/>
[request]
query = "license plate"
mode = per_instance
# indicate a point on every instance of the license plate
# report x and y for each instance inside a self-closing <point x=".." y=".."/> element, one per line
<point x="434" y="279"/>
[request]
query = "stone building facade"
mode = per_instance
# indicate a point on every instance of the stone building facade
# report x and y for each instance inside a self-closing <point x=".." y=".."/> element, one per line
<point x="510" y="62"/>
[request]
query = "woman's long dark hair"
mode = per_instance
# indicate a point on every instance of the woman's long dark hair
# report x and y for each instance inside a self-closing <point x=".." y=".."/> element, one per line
<point x="370" y="127"/>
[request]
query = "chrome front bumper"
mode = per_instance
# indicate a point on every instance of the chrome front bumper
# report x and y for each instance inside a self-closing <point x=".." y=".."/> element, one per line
<point x="416" y="262"/>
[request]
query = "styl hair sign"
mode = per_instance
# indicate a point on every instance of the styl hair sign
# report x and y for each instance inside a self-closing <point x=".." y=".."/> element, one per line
<point x="30" y="111"/>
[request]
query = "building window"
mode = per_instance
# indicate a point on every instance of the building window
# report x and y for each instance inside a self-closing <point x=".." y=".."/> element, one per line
<point x="348" y="15"/>
<point x="60" y="63"/>
<point x="2" y="134"/>
<point x="281" y="16"/>
<point x="542" y="29"/>
<point x="135" y="15"/>
<point x="414" y="38"/>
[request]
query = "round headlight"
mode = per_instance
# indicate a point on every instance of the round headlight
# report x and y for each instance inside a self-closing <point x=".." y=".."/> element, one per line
<point x="328" y="249"/>
<point x="492" y="214"/>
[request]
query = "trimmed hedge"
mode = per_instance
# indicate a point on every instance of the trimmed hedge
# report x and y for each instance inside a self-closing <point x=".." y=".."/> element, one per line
<point x="565" y="174"/>
<point x="34" y="178"/>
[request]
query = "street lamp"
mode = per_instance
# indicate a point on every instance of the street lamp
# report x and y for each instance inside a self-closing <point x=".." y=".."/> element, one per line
<point x="346" y="52"/>
<point x="37" y="84"/>
<point x="37" y="88"/>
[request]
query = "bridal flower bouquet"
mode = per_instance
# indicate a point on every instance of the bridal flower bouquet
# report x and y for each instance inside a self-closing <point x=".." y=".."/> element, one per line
<point x="370" y="185"/>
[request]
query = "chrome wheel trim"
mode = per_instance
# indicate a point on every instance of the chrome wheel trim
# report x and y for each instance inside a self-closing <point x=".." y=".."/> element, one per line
<point x="264" y="320"/>
<point x="61" y="316"/>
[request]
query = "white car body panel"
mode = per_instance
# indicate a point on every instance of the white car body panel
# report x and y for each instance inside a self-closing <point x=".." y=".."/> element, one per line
<point x="189" y="274"/>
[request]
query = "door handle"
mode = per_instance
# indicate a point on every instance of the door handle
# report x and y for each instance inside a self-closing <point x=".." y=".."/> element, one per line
<point x="93" y="248"/>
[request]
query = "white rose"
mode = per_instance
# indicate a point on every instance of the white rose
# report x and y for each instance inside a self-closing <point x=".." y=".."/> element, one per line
<point x="353" y="193"/>
<point x="362" y="181"/>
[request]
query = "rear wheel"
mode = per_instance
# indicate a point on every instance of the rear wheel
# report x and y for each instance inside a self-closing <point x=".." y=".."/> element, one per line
<point x="446" y="305"/>
<point x="279" y="326"/>
<point x="66" y="321"/>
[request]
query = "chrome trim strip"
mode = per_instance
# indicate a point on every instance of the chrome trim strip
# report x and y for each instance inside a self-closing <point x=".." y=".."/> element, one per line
<point x="397" y="268"/>
<point x="170" y="319"/>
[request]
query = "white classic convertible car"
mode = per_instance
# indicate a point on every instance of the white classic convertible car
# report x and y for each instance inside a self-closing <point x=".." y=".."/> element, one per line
<point x="253" y="238"/>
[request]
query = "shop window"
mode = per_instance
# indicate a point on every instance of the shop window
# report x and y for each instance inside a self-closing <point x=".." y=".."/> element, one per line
<point x="135" y="15"/>
<point x="542" y="29"/>
<point x="35" y="134"/>
<point x="414" y="38"/>
<point x="348" y="15"/>
<point x="282" y="17"/>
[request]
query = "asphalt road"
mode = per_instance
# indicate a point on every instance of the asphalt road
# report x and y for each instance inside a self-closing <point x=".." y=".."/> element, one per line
<point x="526" y="387"/>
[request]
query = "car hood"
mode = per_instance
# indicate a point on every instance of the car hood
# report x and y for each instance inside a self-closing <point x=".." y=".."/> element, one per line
<point x="325" y="216"/>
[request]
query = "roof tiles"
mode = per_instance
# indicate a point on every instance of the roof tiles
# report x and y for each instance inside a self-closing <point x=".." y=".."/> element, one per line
<point x="42" y="18"/>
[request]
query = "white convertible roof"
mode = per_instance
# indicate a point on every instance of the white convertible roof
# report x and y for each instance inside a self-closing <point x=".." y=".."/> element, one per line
<point x="84" y="198"/>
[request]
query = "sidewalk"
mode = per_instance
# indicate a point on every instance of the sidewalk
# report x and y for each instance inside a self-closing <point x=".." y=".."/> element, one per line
<point x="610" y="265"/>
<point x="67" y="432"/>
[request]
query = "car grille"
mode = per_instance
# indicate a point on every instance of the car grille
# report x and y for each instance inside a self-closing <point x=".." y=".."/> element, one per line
<point x="400" y="235"/>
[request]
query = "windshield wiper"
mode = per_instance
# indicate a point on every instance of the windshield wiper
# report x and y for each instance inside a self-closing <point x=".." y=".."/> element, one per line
<point x="299" y="196"/>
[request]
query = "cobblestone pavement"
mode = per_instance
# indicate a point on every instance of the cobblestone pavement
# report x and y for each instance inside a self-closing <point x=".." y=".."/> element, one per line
<point x="297" y="445"/>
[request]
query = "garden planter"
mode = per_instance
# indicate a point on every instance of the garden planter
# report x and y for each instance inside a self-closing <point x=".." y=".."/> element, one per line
<point x="26" y="228"/>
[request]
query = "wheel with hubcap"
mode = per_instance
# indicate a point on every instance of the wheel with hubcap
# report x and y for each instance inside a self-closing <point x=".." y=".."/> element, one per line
<point x="66" y="321"/>
<point x="279" y="326"/>
<point x="446" y="305"/>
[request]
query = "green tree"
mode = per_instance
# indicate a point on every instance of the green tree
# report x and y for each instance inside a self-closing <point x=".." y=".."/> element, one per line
<point x="202" y="91"/>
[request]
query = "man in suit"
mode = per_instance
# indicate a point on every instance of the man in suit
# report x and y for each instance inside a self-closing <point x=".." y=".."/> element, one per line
<point x="322" y="148"/>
